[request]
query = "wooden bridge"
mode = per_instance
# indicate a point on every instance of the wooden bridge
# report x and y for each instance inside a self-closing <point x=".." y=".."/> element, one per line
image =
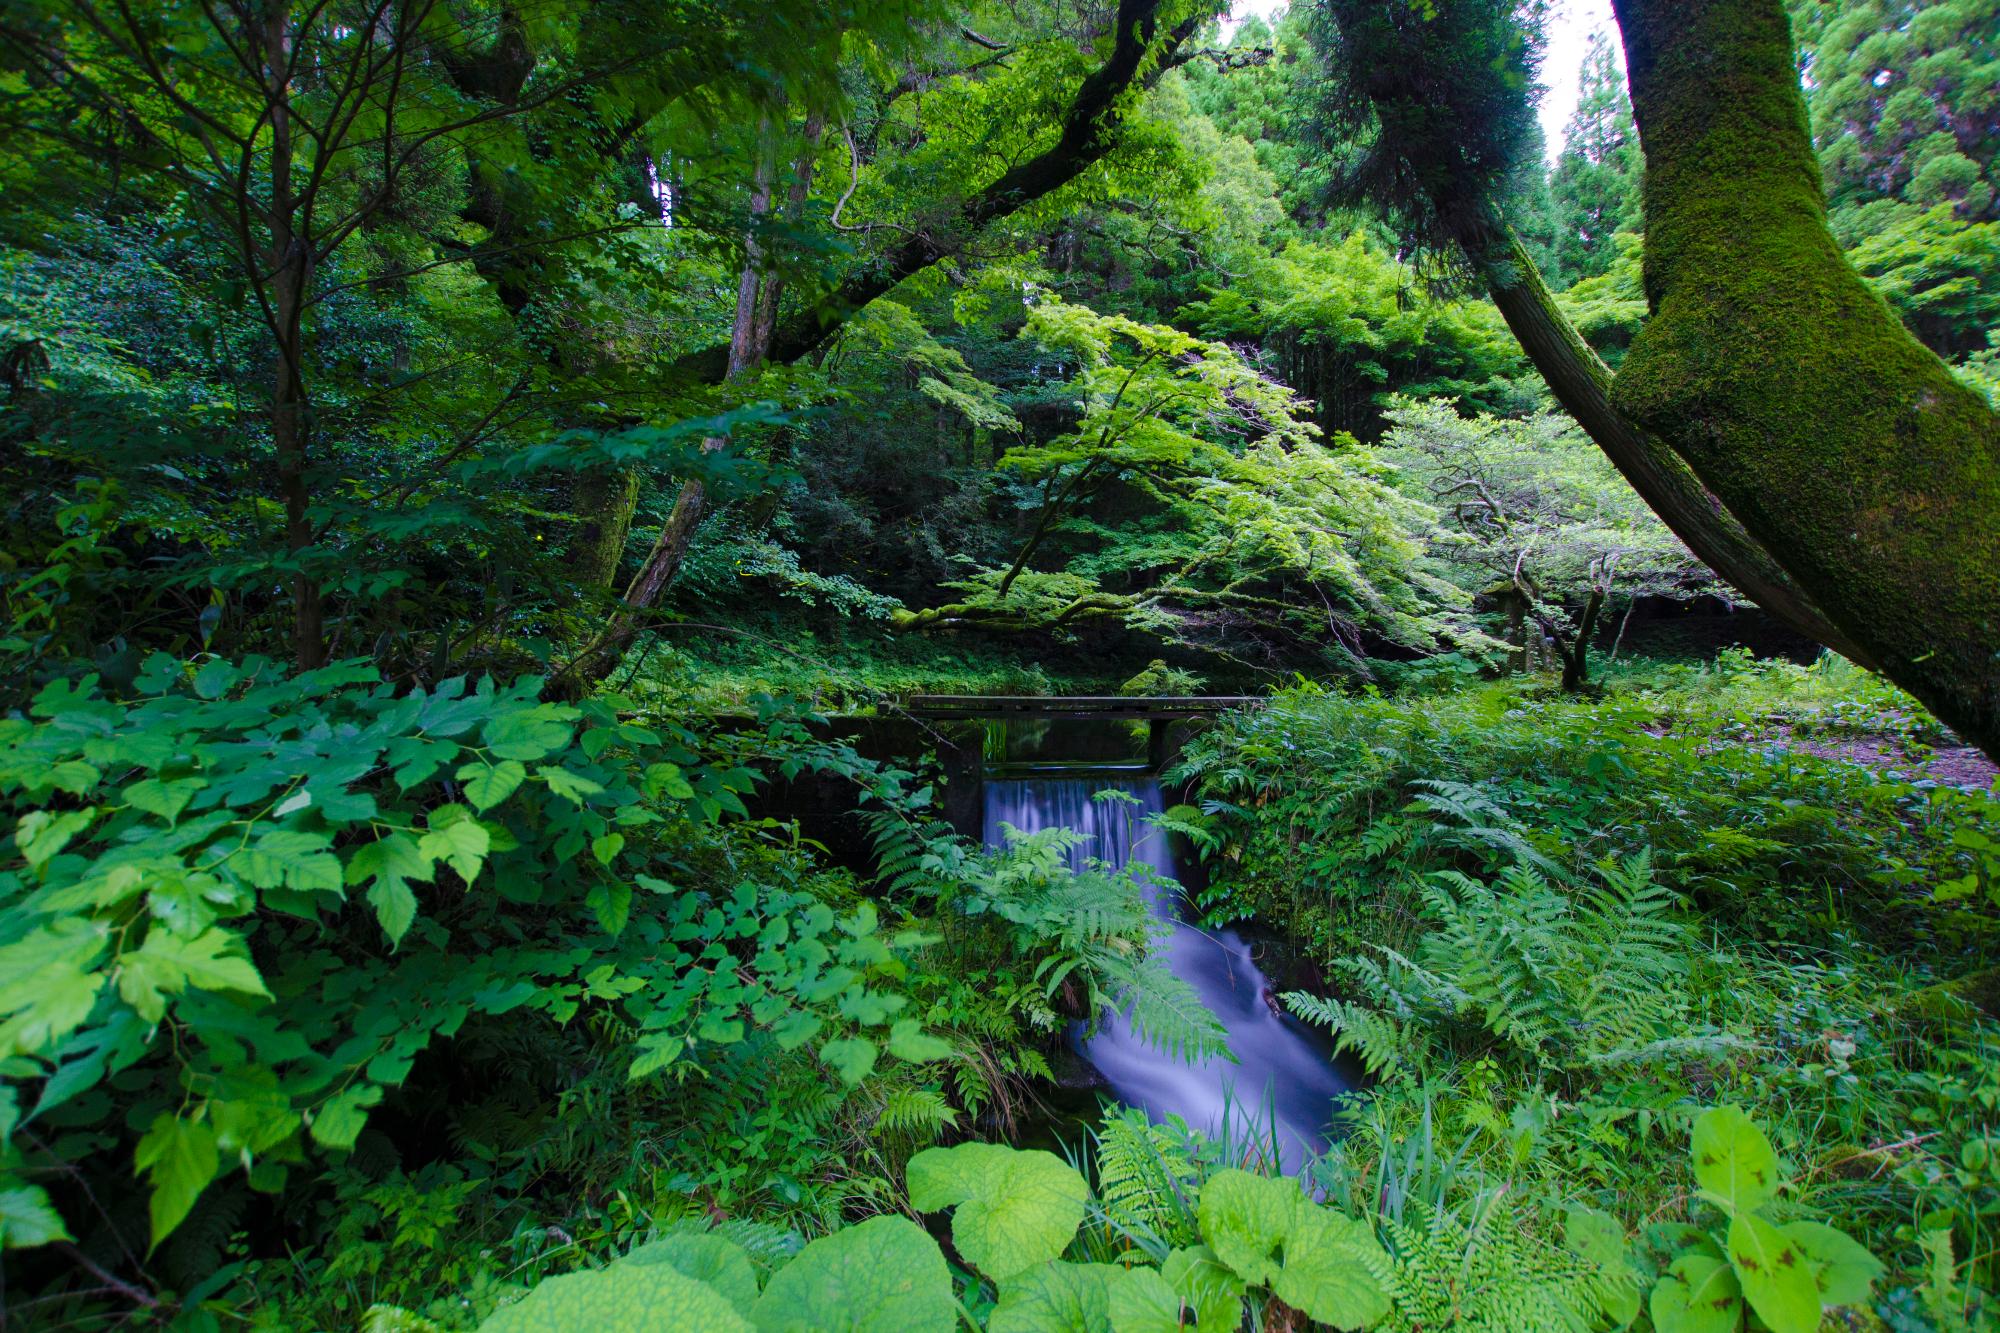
<point x="1107" y="707"/>
<point x="1158" y="711"/>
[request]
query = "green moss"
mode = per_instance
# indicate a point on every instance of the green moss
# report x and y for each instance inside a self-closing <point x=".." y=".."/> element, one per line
<point x="605" y="503"/>
<point x="1791" y="388"/>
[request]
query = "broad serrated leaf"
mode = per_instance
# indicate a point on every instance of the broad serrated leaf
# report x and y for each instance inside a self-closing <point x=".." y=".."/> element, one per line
<point x="1056" y="1297"/>
<point x="340" y="1119"/>
<point x="179" y="1158"/>
<point x="1246" y="1219"/>
<point x="715" y="1260"/>
<point x="1015" y="1209"/>
<point x="1326" y="1273"/>
<point x="462" y="845"/>
<point x="486" y="785"/>
<point x="880" y="1276"/>
<point x="27" y="1218"/>
<point x="657" y="1297"/>
<point x="908" y="1041"/>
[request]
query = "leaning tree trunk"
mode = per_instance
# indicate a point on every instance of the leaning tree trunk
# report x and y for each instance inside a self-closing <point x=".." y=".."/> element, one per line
<point x="1841" y="442"/>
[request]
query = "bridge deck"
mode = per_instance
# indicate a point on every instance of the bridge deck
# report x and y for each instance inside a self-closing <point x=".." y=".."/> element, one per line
<point x="1143" y="708"/>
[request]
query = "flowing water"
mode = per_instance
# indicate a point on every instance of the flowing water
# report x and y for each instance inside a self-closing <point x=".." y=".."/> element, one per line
<point x="1282" y="1082"/>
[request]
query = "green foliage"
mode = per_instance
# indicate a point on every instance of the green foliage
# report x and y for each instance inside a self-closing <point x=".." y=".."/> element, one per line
<point x="1014" y="1210"/>
<point x="1780" y="1273"/>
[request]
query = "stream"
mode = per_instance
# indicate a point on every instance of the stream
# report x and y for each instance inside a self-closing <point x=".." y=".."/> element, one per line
<point x="1281" y="1085"/>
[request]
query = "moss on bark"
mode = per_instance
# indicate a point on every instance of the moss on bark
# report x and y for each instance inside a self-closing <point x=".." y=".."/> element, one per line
<point x="1840" y="441"/>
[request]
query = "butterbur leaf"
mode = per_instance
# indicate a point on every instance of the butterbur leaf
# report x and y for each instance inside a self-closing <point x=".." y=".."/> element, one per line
<point x="1698" y="1294"/>
<point x="179" y="1158"/>
<point x="1733" y="1160"/>
<point x="28" y="1218"/>
<point x="657" y="1297"/>
<point x="1842" y="1266"/>
<point x="1776" y="1276"/>
<point x="880" y="1276"/>
<point x="1211" y="1291"/>
<point x="1057" y="1298"/>
<point x="1327" y="1270"/>
<point x="715" y="1260"/>
<point x="1142" y="1301"/>
<point x="485" y="786"/>
<point x="1016" y="1209"/>
<point x="1247" y="1219"/>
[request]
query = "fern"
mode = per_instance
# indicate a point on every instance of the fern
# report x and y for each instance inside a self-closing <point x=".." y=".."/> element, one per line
<point x="1379" y="1039"/>
<point x="920" y="1113"/>
<point x="1562" y="977"/>
<point x="1146" y="1178"/>
<point x="1488" y="1275"/>
<point x="1166" y="1012"/>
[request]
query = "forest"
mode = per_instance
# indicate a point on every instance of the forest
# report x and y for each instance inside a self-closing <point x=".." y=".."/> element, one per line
<point x="1043" y="666"/>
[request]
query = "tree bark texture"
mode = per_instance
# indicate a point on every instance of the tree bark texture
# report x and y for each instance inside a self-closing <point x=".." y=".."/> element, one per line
<point x="1842" y="443"/>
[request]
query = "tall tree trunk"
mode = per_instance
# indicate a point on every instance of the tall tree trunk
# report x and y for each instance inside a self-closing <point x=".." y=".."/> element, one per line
<point x="757" y="294"/>
<point x="290" y="274"/>
<point x="1582" y="383"/>
<point x="1840" y="441"/>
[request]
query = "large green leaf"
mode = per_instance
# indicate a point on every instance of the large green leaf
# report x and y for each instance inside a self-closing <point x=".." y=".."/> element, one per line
<point x="1191" y="1290"/>
<point x="881" y="1276"/>
<point x="1777" y="1277"/>
<point x="624" y="1298"/>
<point x="1330" y="1270"/>
<point x="1211" y="1291"/>
<point x="1057" y="1298"/>
<point x="1842" y="1266"/>
<point x="1698" y="1294"/>
<point x="1733" y="1160"/>
<point x="1598" y="1238"/>
<point x="1016" y="1209"/>
<point x="716" y="1260"/>
<point x="1144" y="1302"/>
<point x="1247" y="1219"/>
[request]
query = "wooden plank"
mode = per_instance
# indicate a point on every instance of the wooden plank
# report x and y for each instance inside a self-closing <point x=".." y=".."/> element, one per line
<point x="1075" y="705"/>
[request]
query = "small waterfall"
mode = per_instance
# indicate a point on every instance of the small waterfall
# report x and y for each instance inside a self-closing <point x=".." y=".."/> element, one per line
<point x="1282" y="1079"/>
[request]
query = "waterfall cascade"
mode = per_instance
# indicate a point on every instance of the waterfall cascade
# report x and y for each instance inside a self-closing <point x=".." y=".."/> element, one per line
<point x="1282" y="1082"/>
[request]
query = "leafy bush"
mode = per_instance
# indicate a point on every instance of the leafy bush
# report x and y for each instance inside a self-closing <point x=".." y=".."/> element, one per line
<point x="251" y="903"/>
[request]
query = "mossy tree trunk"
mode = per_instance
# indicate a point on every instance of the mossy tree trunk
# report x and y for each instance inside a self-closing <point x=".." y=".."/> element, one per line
<point x="1841" y="442"/>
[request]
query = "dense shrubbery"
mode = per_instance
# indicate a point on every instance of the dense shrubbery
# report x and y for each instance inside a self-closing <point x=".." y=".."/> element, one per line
<point x="1558" y="929"/>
